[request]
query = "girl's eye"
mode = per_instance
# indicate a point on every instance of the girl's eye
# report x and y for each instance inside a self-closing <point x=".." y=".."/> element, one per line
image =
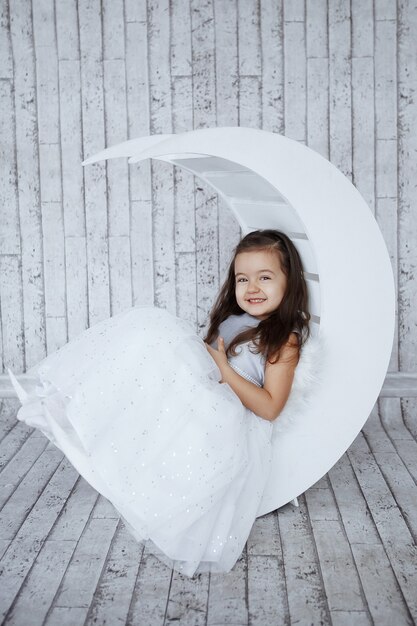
<point x="266" y="277"/>
<point x="240" y="280"/>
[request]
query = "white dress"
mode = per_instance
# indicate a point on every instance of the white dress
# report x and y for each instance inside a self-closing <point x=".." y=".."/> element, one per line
<point x="135" y="404"/>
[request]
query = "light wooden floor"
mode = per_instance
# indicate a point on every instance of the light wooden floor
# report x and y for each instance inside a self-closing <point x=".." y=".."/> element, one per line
<point x="346" y="555"/>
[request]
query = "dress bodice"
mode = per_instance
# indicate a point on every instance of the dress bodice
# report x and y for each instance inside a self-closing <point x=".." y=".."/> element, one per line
<point x="248" y="364"/>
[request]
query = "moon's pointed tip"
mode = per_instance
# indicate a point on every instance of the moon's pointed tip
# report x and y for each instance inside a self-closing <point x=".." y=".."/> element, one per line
<point x="90" y="160"/>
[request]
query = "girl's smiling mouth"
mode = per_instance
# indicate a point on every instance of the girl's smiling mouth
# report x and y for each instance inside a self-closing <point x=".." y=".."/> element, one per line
<point x="256" y="300"/>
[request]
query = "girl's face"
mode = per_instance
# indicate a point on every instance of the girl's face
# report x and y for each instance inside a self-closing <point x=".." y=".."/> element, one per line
<point x="260" y="282"/>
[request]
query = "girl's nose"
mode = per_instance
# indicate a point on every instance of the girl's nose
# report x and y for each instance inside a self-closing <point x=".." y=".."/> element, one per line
<point x="253" y="287"/>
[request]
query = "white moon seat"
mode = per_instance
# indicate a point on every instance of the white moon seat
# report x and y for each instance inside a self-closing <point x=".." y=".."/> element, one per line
<point x="270" y="181"/>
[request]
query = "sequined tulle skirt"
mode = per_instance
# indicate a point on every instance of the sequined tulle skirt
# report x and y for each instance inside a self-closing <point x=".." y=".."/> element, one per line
<point x="135" y="404"/>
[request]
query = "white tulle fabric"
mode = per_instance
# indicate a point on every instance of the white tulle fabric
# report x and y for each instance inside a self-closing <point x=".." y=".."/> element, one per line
<point x="135" y="404"/>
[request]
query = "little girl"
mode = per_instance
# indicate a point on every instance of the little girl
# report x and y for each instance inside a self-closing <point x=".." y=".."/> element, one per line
<point x="135" y="404"/>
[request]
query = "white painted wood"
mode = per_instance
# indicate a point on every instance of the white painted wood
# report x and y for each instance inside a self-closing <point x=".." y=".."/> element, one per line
<point x="116" y="128"/>
<point x="93" y="130"/>
<point x="186" y="286"/>
<point x="341" y="579"/>
<point x="264" y="537"/>
<point x="318" y="105"/>
<point x="293" y="10"/>
<point x="138" y="96"/>
<point x="7" y="419"/>
<point x="400" y="385"/>
<point x="182" y="114"/>
<point x="272" y="83"/>
<point x="302" y="577"/>
<point x="54" y="259"/>
<point x="42" y="583"/>
<point x="135" y="11"/>
<point x="54" y="51"/>
<point x="226" y="69"/>
<point x="340" y="86"/>
<point x="27" y="493"/>
<point x="386" y="10"/>
<point x="47" y="84"/>
<point x="386" y="78"/>
<point x="74" y="516"/>
<point x="180" y="58"/>
<point x="27" y="158"/>
<point x="386" y="210"/>
<point x="103" y="508"/>
<point x="153" y="581"/>
<point x="163" y="235"/>
<point x="66" y="23"/>
<point x="120" y="274"/>
<point x="86" y="564"/>
<point x="76" y="285"/>
<point x="351" y="504"/>
<point x="34" y="528"/>
<point x="214" y="65"/>
<point x="113" y="30"/>
<point x="295" y="78"/>
<point x="249" y="41"/>
<point x="117" y="172"/>
<point x="117" y="580"/>
<point x="142" y="251"/>
<point x="288" y="568"/>
<point x="9" y="217"/>
<point x="11" y="312"/>
<point x="187" y="600"/>
<point x="162" y="174"/>
<point x="12" y="441"/>
<point x="228" y="110"/>
<point x="204" y="106"/>
<point x="19" y="465"/>
<point x="159" y="81"/>
<point x="6" y="60"/>
<point x="207" y="269"/>
<point x="184" y="207"/>
<point x="317" y="38"/>
<point x="395" y="472"/>
<point x="43" y="22"/>
<point x="250" y="102"/>
<point x="140" y="188"/>
<point x="71" y="147"/>
<point x="386" y="168"/>
<point x="363" y="28"/>
<point x="63" y="616"/>
<point x="229" y="236"/>
<point x="363" y="128"/>
<point x="394" y="532"/>
<point x="227" y="602"/>
<point x="407" y="177"/>
<point x="386" y="129"/>
<point x="384" y="600"/>
<point x="56" y="333"/>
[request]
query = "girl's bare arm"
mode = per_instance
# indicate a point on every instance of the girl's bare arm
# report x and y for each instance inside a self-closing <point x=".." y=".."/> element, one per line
<point x="269" y="400"/>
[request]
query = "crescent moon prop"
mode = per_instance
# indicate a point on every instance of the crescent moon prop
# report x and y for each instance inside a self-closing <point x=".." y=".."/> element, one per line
<point x="270" y="181"/>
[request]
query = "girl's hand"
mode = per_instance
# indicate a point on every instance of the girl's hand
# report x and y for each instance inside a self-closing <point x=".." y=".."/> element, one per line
<point x="219" y="355"/>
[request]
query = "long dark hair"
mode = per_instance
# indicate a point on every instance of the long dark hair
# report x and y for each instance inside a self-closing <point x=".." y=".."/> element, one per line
<point x="292" y="313"/>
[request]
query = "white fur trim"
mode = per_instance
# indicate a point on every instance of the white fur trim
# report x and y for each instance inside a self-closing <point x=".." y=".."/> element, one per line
<point x="307" y="377"/>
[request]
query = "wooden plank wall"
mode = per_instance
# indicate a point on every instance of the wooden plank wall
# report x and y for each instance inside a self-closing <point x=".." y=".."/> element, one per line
<point x="80" y="244"/>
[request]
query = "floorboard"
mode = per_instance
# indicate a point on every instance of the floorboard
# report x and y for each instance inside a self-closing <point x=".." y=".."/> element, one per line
<point x="346" y="556"/>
